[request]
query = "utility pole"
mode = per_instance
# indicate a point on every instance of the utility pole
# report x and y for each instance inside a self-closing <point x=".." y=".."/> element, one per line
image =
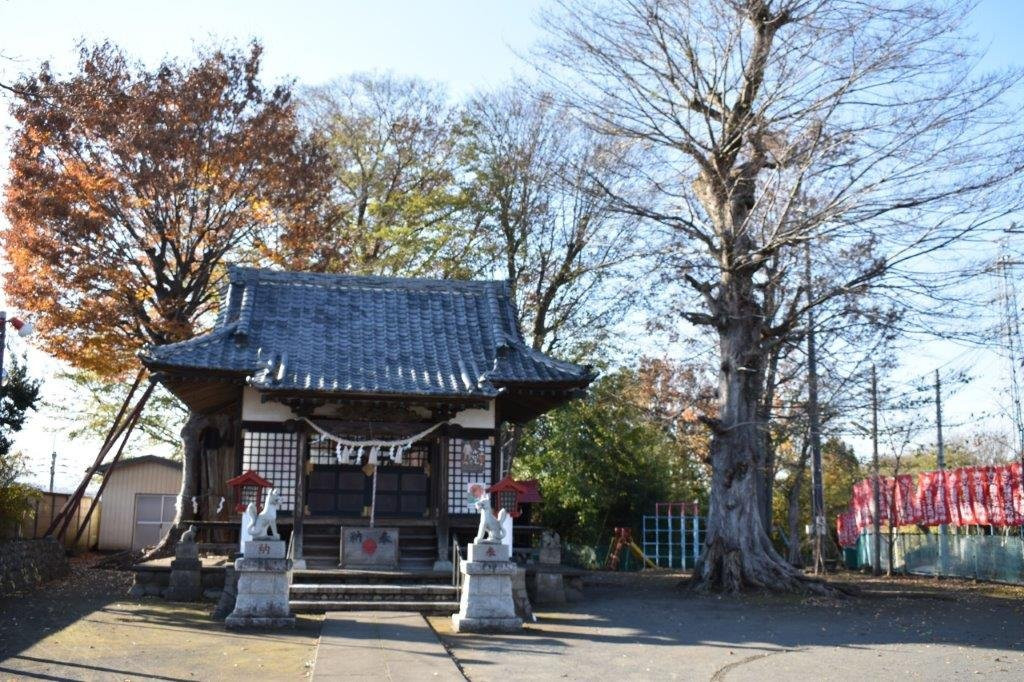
<point x="53" y="467"/>
<point x="3" y="341"/>
<point x="941" y="457"/>
<point x="1015" y="347"/>
<point x="876" y="521"/>
<point x="817" y="486"/>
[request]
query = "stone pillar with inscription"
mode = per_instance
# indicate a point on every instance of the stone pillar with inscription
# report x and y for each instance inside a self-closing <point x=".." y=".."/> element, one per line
<point x="486" y="604"/>
<point x="262" y="593"/>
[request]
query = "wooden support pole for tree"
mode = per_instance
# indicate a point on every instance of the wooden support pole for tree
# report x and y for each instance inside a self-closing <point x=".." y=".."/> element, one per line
<point x="132" y="421"/>
<point x="116" y="428"/>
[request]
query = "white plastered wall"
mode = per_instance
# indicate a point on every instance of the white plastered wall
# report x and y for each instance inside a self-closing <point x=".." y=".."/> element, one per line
<point x="254" y="409"/>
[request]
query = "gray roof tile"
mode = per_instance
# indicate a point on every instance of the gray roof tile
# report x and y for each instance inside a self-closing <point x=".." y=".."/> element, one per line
<point x="378" y="335"/>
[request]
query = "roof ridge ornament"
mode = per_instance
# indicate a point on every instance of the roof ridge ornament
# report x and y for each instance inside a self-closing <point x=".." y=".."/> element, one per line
<point x="245" y="308"/>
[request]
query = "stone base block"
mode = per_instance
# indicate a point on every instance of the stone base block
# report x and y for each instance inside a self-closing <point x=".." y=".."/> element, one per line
<point x="487" y="551"/>
<point x="464" y="624"/>
<point x="550" y="589"/>
<point x="265" y="549"/>
<point x="185" y="585"/>
<point x="521" y="599"/>
<point x="243" y="622"/>
<point x="261" y="599"/>
<point x="363" y="547"/>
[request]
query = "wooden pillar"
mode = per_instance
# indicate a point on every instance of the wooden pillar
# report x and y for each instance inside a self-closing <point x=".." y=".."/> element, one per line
<point x="444" y="542"/>
<point x="299" y="511"/>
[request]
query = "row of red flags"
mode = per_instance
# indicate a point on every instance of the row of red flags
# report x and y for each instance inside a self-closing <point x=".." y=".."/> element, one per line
<point x="980" y="495"/>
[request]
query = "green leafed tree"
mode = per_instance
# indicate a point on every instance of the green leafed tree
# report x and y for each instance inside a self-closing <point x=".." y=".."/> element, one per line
<point x="396" y="198"/>
<point x="18" y="395"/>
<point x="604" y="461"/>
<point x="99" y="400"/>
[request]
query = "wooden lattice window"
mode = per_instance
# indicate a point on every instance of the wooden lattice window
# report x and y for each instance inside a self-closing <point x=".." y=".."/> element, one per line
<point x="469" y="461"/>
<point x="271" y="454"/>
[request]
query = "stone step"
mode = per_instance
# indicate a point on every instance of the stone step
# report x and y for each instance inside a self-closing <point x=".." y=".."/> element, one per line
<point x="348" y="590"/>
<point x="320" y="546"/>
<point x="336" y="576"/>
<point x="420" y="552"/>
<point x="438" y="607"/>
<point x="418" y="542"/>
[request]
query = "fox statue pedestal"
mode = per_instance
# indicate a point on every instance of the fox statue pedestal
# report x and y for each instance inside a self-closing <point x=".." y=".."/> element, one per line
<point x="262" y="599"/>
<point x="486" y="604"/>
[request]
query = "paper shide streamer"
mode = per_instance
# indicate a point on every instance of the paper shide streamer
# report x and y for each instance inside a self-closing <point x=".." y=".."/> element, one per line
<point x="352" y="451"/>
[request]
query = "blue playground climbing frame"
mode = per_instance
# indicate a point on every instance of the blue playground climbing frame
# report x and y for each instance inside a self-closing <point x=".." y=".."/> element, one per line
<point x="674" y="535"/>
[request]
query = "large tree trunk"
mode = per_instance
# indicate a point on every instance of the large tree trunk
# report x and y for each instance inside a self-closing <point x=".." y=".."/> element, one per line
<point x="191" y="465"/>
<point x="738" y="554"/>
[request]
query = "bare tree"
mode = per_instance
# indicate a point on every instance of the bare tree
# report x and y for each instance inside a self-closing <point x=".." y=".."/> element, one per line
<point x="536" y="188"/>
<point x="858" y="127"/>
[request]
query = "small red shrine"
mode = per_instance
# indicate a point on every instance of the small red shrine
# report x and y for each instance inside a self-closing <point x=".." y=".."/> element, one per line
<point x="248" y="487"/>
<point x="510" y="494"/>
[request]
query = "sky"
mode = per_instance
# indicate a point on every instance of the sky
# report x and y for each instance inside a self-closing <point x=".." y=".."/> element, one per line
<point x="466" y="45"/>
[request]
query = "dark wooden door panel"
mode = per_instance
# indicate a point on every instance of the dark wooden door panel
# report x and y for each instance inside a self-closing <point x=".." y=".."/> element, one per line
<point x="344" y="490"/>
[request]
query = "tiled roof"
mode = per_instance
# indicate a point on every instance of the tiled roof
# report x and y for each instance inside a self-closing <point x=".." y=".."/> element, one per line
<point x="376" y="335"/>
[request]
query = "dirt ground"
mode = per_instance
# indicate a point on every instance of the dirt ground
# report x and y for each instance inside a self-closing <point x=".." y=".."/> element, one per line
<point x="630" y="627"/>
<point x="644" y="626"/>
<point x="84" y="628"/>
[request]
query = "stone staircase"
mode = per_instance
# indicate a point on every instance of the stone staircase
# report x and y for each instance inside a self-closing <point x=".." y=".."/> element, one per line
<point x="417" y="546"/>
<point x="321" y="590"/>
<point x="321" y="544"/>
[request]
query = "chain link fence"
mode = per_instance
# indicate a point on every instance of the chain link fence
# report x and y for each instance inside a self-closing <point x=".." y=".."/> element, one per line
<point x="972" y="553"/>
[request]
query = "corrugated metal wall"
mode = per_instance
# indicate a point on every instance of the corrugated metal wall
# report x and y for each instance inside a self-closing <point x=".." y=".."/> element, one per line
<point x="118" y="511"/>
<point x="46" y="507"/>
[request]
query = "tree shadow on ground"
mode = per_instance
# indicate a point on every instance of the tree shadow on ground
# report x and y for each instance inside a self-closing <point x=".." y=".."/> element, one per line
<point x="100" y="596"/>
<point x="621" y="616"/>
<point x="27" y="618"/>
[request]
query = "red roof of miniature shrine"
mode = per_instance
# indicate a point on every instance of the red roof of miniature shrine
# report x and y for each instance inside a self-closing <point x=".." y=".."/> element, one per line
<point x="250" y="477"/>
<point x="526" y="491"/>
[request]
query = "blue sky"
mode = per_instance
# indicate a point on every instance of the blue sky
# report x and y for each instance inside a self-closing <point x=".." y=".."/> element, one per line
<point x="464" y="44"/>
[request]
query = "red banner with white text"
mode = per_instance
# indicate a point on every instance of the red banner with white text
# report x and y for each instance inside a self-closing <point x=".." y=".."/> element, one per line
<point x="976" y="495"/>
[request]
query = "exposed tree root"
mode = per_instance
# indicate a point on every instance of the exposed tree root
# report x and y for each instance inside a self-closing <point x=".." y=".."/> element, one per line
<point x="732" y="571"/>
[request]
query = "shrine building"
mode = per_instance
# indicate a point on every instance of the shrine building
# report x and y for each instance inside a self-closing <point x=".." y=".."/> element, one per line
<point x="365" y="401"/>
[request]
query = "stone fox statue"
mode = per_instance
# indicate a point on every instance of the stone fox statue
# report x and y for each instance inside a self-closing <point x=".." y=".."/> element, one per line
<point x="264" y="525"/>
<point x="490" y="524"/>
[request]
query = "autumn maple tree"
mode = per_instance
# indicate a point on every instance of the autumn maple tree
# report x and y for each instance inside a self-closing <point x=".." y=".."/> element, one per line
<point x="131" y="187"/>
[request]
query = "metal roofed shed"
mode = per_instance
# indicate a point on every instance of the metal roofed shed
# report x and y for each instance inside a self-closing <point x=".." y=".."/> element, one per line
<point x="138" y="502"/>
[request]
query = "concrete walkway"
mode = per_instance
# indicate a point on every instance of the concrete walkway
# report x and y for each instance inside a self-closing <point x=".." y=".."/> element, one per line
<point x="378" y="645"/>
